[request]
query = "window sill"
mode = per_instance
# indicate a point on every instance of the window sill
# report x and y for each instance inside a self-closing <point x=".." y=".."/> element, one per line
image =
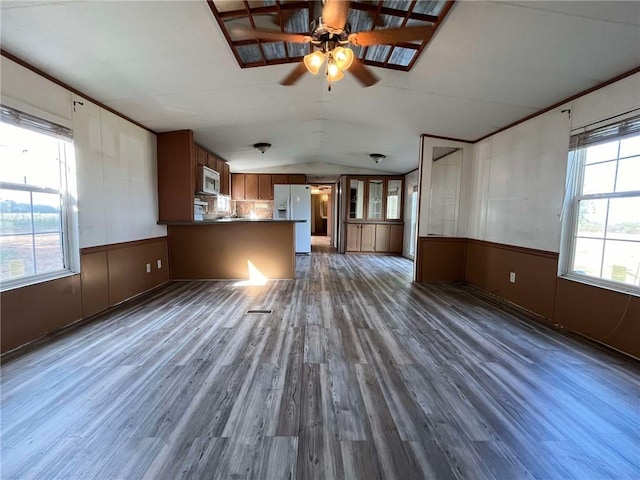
<point x="593" y="282"/>
<point x="34" y="280"/>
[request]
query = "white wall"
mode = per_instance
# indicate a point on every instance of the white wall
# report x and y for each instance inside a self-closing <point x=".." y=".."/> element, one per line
<point x="410" y="179"/>
<point x="426" y="173"/>
<point x="517" y="183"/>
<point x="115" y="159"/>
<point x="445" y="195"/>
<point x="518" y="176"/>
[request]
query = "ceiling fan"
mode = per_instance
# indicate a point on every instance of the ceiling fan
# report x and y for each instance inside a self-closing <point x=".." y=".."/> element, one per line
<point x="330" y="35"/>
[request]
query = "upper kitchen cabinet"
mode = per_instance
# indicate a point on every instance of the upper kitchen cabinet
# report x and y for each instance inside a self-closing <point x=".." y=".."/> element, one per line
<point x="178" y="161"/>
<point x="265" y="187"/>
<point x="374" y="199"/>
<point x="259" y="186"/>
<point x="177" y="165"/>
<point x="393" y="208"/>
<point x="355" y="199"/>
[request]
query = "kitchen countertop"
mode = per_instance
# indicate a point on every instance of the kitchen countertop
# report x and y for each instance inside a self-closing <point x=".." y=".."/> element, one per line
<point x="231" y="220"/>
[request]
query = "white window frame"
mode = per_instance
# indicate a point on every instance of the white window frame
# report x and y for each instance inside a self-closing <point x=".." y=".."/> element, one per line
<point x="68" y="227"/>
<point x="573" y="197"/>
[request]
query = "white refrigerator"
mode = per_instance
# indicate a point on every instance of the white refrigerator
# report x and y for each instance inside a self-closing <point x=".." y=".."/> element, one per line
<point x="293" y="202"/>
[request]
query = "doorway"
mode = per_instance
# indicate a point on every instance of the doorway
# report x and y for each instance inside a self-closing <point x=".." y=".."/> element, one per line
<point x="321" y="214"/>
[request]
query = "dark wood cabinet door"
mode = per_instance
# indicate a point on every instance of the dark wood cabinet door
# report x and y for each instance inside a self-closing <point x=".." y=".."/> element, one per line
<point x="265" y="187"/>
<point x="219" y="166"/>
<point x="201" y="156"/>
<point x="225" y="179"/>
<point x="237" y="186"/>
<point x="280" y="179"/>
<point x="298" y="179"/>
<point x="251" y="186"/>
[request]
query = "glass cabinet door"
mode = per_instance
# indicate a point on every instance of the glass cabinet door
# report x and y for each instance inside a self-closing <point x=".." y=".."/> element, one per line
<point x="394" y="200"/>
<point x="356" y="199"/>
<point x="376" y="197"/>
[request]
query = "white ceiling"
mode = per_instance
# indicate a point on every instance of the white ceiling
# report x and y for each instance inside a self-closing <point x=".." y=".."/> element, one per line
<point x="167" y="65"/>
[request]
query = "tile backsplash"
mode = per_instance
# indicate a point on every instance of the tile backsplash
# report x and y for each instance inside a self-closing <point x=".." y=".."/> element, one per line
<point x="223" y="206"/>
<point x="253" y="208"/>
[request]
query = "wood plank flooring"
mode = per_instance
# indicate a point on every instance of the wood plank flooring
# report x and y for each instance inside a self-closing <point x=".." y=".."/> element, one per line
<point x="357" y="373"/>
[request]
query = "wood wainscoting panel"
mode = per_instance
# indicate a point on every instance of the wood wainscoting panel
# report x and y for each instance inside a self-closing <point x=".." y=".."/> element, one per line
<point x="128" y="275"/>
<point x="609" y="317"/>
<point x="35" y="310"/>
<point x="95" y="283"/>
<point x="441" y="259"/>
<point x="222" y="251"/>
<point x="488" y="266"/>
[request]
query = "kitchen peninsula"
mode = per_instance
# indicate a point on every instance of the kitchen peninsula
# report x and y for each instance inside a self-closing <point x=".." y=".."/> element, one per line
<point x="231" y="249"/>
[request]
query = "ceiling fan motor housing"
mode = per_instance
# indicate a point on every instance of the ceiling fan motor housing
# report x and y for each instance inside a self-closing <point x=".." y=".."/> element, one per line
<point x="321" y="33"/>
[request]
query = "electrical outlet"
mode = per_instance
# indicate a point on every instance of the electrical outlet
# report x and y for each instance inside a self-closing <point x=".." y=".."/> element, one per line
<point x="148" y="268"/>
<point x="512" y="277"/>
<point x="159" y="263"/>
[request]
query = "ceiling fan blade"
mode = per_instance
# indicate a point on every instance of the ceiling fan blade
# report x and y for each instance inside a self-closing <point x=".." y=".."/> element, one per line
<point x="268" y="35"/>
<point x="335" y="13"/>
<point x="391" y="36"/>
<point x="294" y="76"/>
<point x="362" y="73"/>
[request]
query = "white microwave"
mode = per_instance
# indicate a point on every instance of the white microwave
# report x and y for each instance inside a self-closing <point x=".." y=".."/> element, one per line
<point x="208" y="181"/>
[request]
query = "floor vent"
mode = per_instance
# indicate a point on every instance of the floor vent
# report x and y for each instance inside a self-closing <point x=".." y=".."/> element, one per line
<point x="259" y="311"/>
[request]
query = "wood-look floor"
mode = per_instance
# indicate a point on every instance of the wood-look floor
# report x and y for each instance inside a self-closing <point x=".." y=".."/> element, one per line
<point x="356" y="373"/>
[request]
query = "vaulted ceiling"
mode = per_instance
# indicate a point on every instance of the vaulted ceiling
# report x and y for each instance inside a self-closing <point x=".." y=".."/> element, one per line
<point x="167" y="65"/>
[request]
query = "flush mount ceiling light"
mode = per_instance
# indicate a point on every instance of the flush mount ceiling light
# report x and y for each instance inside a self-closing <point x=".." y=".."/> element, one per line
<point x="262" y="147"/>
<point x="377" y="157"/>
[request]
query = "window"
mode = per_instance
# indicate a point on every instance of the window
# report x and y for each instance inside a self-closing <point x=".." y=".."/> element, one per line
<point x="603" y="202"/>
<point x="34" y="204"/>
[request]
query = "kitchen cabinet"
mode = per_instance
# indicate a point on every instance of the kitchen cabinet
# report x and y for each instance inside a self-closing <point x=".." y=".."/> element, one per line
<point x="389" y="238"/>
<point x="361" y="237"/>
<point x="250" y="186"/>
<point x="177" y="162"/>
<point x="254" y="186"/>
<point x="179" y="159"/>
<point x="265" y="187"/>
<point x="201" y="156"/>
<point x="298" y="179"/>
<point x="225" y="180"/>
<point x="375" y="199"/>
<point x="237" y="186"/>
<point x="280" y="179"/>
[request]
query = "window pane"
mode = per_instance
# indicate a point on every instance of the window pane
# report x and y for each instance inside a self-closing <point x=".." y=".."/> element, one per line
<point x="605" y="151"/>
<point x="393" y="199"/>
<point x="15" y="212"/>
<point x="374" y="207"/>
<point x="599" y="178"/>
<point x="48" y="252"/>
<point x="17" y="256"/>
<point x="624" y="219"/>
<point x="592" y="217"/>
<point x="630" y="146"/>
<point x="622" y="262"/>
<point x="46" y="212"/>
<point x="28" y="157"/>
<point x="588" y="256"/>
<point x="628" y="175"/>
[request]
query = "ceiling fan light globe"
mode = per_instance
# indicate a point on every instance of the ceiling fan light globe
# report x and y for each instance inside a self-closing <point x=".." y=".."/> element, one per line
<point x="313" y="62"/>
<point x="343" y="57"/>
<point x="335" y="76"/>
